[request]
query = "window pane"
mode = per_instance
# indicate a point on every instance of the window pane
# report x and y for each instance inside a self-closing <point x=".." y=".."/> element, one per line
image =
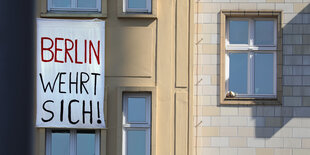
<point x="61" y="3"/>
<point x="238" y="71"/>
<point x="263" y="73"/>
<point x="264" y="33"/>
<point x="136" y="109"/>
<point x="60" y="142"/>
<point x="238" y="32"/>
<point x="85" y="143"/>
<point x="136" y="142"/>
<point x="86" y="3"/>
<point x="137" y="3"/>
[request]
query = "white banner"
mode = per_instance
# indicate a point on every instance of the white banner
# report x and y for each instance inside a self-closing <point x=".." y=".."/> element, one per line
<point x="70" y="73"/>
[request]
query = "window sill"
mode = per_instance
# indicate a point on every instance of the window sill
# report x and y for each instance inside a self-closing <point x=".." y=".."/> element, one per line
<point x="250" y="101"/>
<point x="136" y="15"/>
<point x="75" y="15"/>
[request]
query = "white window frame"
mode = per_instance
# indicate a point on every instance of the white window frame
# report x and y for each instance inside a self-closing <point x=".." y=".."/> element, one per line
<point x="147" y="9"/>
<point x="73" y="141"/>
<point x="250" y="45"/>
<point x="251" y="49"/>
<point x="74" y="7"/>
<point x="143" y="126"/>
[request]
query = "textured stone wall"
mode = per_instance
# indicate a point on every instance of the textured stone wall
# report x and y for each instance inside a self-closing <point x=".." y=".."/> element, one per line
<point x="252" y="130"/>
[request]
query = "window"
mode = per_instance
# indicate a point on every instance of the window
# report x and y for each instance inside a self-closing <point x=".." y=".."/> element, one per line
<point x="138" y="6"/>
<point x="72" y="142"/>
<point x="136" y="124"/>
<point x="249" y="57"/>
<point x="74" y="5"/>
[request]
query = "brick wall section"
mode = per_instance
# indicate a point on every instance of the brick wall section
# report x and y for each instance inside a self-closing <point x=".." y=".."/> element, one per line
<point x="252" y="130"/>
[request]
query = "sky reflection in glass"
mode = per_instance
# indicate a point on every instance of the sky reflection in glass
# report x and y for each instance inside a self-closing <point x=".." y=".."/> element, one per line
<point x="136" y="109"/>
<point x="86" y="3"/>
<point x="60" y="143"/>
<point x="263" y="75"/>
<point x="136" y="141"/>
<point x="264" y="32"/>
<point x="136" y="3"/>
<point x="238" y="71"/>
<point x="238" y="32"/>
<point x="86" y="143"/>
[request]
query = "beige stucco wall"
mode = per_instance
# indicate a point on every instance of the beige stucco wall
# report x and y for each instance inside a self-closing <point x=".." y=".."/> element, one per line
<point x="144" y="54"/>
<point x="252" y="130"/>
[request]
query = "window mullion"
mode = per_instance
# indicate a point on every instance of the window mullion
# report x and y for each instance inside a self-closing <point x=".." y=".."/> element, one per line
<point x="73" y="142"/>
<point x="97" y="142"/>
<point x="125" y="7"/>
<point x="48" y="141"/>
<point x="50" y="3"/>
<point x="251" y="73"/>
<point x="275" y="33"/>
<point x="148" y="141"/>
<point x="148" y="5"/>
<point x="74" y="3"/>
<point x="275" y="73"/>
<point x="251" y="32"/>
<point x="98" y="5"/>
<point x="227" y="61"/>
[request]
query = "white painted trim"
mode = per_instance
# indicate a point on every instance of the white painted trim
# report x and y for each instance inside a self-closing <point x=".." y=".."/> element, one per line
<point x="250" y="72"/>
<point x="250" y="75"/>
<point x="97" y="142"/>
<point x="136" y="125"/>
<point x="73" y="141"/>
<point x="147" y="9"/>
<point x="250" y="45"/>
<point x="73" y="3"/>
<point x="227" y="32"/>
<point x="251" y="49"/>
<point x="74" y="7"/>
<point x="274" y="30"/>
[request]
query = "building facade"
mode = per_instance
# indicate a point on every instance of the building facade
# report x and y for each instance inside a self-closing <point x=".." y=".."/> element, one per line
<point x="147" y="78"/>
<point x="251" y="96"/>
<point x="186" y="77"/>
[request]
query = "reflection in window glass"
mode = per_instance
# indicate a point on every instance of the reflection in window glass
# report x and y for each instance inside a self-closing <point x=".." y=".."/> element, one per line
<point x="238" y="71"/>
<point x="86" y="3"/>
<point x="136" y="109"/>
<point x="238" y="32"/>
<point x="61" y="3"/>
<point x="85" y="143"/>
<point x="264" y="32"/>
<point x="136" y="142"/>
<point x="263" y="64"/>
<point x="60" y="142"/>
<point x="136" y="3"/>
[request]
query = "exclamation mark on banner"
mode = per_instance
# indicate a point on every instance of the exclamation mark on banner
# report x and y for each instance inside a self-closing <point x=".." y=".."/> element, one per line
<point x="98" y="121"/>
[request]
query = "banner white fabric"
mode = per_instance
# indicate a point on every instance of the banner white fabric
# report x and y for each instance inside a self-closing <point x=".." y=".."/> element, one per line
<point x="70" y="73"/>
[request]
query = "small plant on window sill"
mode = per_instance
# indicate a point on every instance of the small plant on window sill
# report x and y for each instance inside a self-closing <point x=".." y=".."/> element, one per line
<point x="230" y="94"/>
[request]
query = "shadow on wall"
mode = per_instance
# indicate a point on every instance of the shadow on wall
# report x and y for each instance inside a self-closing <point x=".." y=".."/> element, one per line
<point x="294" y="113"/>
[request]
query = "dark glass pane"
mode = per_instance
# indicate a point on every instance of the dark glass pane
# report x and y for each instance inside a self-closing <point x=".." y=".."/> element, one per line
<point x="136" y="109"/>
<point x="137" y="3"/>
<point x="238" y="32"/>
<point x="136" y="142"/>
<point x="86" y="142"/>
<point x="238" y="72"/>
<point x="61" y="3"/>
<point x="60" y="142"/>
<point x="264" y="71"/>
<point x="264" y="33"/>
<point x="86" y="3"/>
